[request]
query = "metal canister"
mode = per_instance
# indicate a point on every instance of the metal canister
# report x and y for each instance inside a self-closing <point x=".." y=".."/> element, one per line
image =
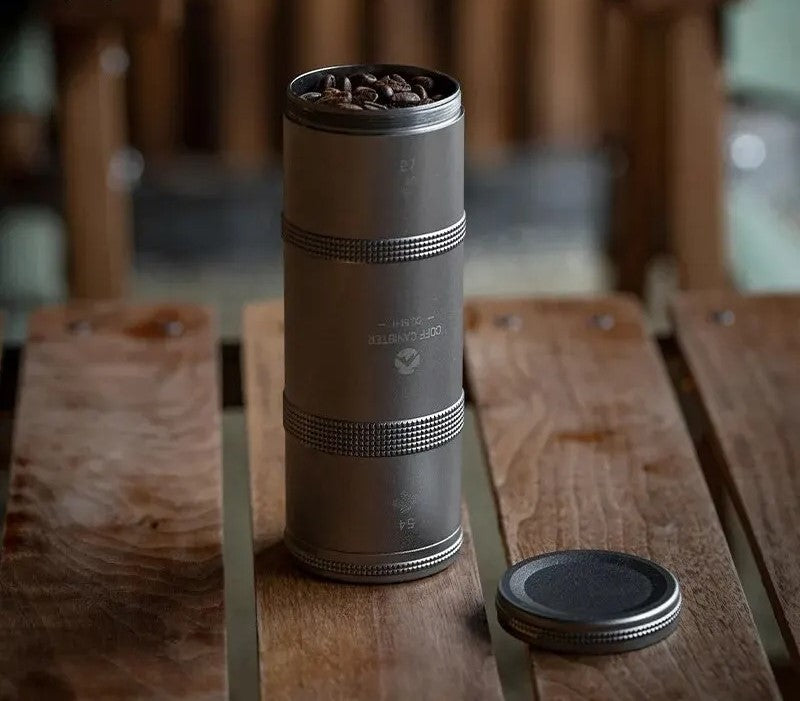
<point x="373" y="228"/>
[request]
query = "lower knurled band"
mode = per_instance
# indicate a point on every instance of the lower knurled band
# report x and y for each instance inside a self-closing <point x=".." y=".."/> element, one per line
<point x="374" y="439"/>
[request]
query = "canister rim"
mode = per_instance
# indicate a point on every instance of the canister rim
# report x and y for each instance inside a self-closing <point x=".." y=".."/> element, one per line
<point x="329" y="118"/>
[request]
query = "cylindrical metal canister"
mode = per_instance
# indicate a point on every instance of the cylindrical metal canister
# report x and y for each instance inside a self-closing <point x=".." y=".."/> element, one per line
<point x="373" y="228"/>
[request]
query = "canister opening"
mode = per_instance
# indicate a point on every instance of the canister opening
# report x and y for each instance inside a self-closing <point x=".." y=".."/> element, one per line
<point x="331" y="118"/>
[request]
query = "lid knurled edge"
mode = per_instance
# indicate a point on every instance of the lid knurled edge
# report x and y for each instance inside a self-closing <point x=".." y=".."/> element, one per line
<point x="533" y="633"/>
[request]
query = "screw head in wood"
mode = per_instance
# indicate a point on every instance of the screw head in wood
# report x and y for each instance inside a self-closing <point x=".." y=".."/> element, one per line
<point x="723" y="317"/>
<point x="605" y="322"/>
<point x="508" y="321"/>
<point x="80" y="327"/>
<point x="173" y="328"/>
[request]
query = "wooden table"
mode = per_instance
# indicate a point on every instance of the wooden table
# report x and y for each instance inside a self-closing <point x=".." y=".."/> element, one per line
<point x="111" y="579"/>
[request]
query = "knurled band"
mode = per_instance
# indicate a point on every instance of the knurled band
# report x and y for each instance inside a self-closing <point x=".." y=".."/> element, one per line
<point x="387" y="569"/>
<point x="378" y="439"/>
<point x="391" y="250"/>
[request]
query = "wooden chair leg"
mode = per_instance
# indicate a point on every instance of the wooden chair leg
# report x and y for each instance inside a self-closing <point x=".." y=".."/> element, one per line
<point x="92" y="122"/>
<point x="696" y="105"/>
<point x="482" y="34"/>
<point x="246" y="115"/>
<point x="405" y="32"/>
<point x="155" y="88"/>
<point x="326" y="32"/>
<point x="640" y="208"/>
<point x="564" y="53"/>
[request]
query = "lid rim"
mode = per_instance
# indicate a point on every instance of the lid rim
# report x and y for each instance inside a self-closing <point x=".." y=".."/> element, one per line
<point x="523" y="616"/>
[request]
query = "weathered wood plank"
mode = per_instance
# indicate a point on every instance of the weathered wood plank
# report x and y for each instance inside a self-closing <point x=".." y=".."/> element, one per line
<point x="743" y="354"/>
<point x="111" y="580"/>
<point x="422" y="640"/>
<point x="587" y="449"/>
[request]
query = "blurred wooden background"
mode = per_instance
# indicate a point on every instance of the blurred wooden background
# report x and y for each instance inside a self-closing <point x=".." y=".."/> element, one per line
<point x="640" y="78"/>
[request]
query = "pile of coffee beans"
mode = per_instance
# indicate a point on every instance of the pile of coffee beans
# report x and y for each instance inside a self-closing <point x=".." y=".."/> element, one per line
<point x="365" y="91"/>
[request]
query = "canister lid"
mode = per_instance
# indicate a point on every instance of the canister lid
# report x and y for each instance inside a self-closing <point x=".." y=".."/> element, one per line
<point x="588" y="601"/>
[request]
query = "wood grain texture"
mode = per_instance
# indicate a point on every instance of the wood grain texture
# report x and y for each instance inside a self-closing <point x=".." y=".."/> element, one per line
<point x="92" y="131"/>
<point x="748" y="375"/>
<point x="111" y="579"/>
<point x="318" y="639"/>
<point x="587" y="449"/>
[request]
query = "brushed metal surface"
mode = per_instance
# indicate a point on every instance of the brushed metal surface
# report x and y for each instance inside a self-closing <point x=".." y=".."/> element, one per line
<point x="373" y="294"/>
<point x="372" y="506"/>
<point x="376" y="186"/>
<point x="349" y="326"/>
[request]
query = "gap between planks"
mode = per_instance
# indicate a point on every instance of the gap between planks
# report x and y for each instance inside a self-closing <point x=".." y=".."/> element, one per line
<point x="426" y="639"/>
<point x="587" y="449"/>
<point x="742" y="353"/>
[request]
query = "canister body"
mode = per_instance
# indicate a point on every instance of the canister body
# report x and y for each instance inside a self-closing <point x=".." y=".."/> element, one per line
<point x="373" y="402"/>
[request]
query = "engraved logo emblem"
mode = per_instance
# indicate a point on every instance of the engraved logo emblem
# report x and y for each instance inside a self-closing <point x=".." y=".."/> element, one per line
<point x="407" y="360"/>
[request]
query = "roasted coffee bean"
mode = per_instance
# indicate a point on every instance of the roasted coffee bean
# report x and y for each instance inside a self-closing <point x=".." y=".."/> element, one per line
<point x="340" y="94"/>
<point x="405" y="99"/>
<point x="365" y="91"/>
<point x="423" y="80"/>
<point x="335" y="98"/>
<point x="365" y="94"/>
<point x="385" y="93"/>
<point x="359" y="79"/>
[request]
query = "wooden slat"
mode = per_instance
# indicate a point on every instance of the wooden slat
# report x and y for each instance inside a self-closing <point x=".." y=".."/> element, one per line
<point x="587" y="449"/>
<point x="92" y="131"/>
<point x="111" y="580"/>
<point x="318" y="639"/>
<point x="745" y="364"/>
